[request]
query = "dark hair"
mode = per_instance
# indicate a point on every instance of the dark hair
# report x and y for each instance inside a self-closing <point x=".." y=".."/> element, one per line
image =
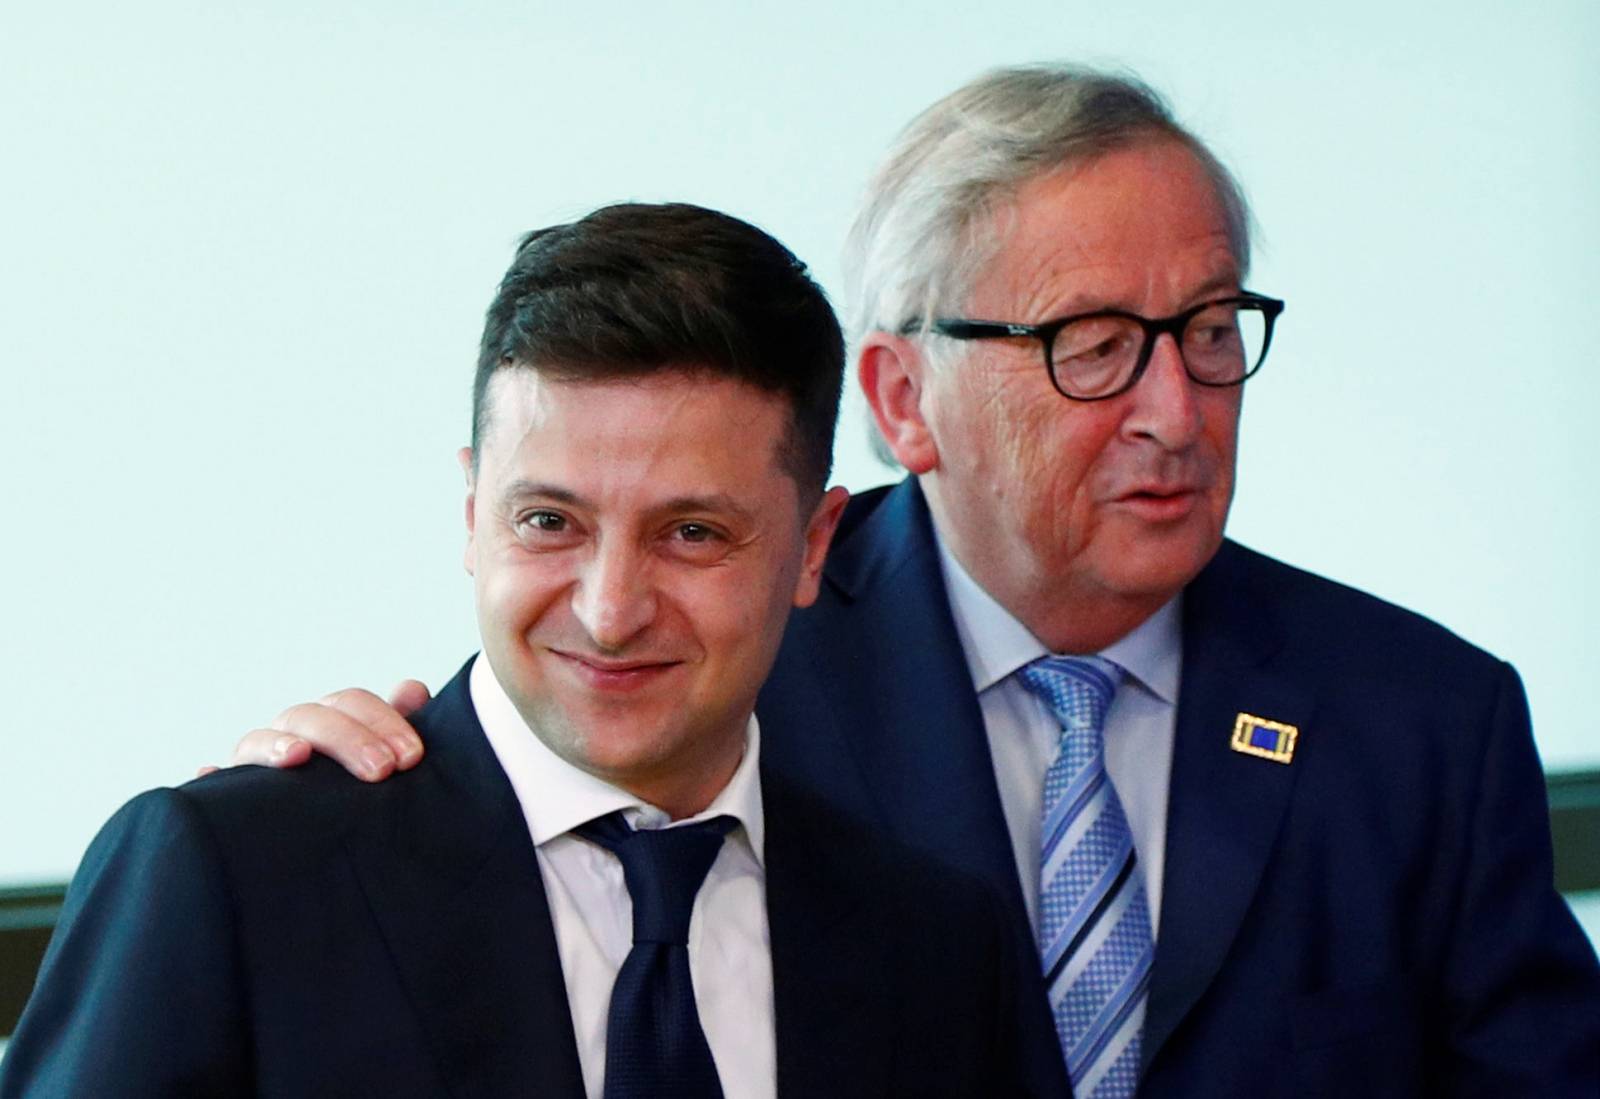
<point x="634" y="289"/>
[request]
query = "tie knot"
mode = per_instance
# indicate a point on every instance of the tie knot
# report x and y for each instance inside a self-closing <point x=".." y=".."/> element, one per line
<point x="1078" y="689"/>
<point x="663" y="868"/>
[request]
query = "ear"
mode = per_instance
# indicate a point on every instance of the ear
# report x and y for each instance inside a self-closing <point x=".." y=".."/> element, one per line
<point x="819" y="534"/>
<point x="893" y="373"/>
<point x="464" y="460"/>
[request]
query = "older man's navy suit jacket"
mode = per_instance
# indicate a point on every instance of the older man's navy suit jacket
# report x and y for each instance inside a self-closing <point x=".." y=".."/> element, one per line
<point x="1374" y="918"/>
<point x="299" y="935"/>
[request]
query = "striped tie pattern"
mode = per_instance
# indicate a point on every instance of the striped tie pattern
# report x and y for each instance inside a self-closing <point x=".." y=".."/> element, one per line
<point x="1094" y="920"/>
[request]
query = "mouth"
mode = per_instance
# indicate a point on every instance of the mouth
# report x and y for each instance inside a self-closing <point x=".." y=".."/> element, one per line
<point x="1161" y="503"/>
<point x="602" y="674"/>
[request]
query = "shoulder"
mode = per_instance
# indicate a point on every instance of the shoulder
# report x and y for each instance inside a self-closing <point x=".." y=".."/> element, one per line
<point x="305" y="810"/>
<point x="264" y="798"/>
<point x="1323" y="619"/>
<point x="1391" y="702"/>
<point x="860" y="509"/>
<point x="272" y="823"/>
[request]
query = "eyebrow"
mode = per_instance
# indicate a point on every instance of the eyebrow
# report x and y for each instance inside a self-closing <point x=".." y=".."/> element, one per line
<point x="715" y="503"/>
<point x="1224" y="283"/>
<point x="1227" y="280"/>
<point x="522" y="488"/>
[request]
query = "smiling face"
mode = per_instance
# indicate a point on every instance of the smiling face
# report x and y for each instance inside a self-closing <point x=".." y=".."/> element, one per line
<point x="1082" y="518"/>
<point x="636" y="548"/>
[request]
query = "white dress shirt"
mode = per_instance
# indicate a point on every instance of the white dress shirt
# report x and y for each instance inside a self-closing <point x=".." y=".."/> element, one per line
<point x="730" y="955"/>
<point x="1024" y="734"/>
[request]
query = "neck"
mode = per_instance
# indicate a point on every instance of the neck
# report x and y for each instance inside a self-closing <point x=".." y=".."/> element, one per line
<point x="1067" y="614"/>
<point x="680" y="788"/>
<point x="1087" y="627"/>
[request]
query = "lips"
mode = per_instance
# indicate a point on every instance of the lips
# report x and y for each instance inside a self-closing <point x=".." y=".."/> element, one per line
<point x="605" y="674"/>
<point x="1160" y="503"/>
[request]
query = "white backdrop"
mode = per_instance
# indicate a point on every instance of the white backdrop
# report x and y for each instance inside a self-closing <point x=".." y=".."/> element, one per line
<point x="246" y="249"/>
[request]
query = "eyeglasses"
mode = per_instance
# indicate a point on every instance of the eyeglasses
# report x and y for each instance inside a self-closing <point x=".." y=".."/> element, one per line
<point x="1099" y="355"/>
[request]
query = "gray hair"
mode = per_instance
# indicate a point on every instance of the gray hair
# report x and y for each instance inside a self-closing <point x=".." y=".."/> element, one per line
<point x="920" y="238"/>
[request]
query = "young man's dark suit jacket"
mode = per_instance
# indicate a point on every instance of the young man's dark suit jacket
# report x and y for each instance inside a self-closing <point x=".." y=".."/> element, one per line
<point x="268" y="934"/>
<point x="1374" y="918"/>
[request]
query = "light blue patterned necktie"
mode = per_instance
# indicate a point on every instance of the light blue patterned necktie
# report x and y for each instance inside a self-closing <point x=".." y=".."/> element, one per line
<point x="1094" y="919"/>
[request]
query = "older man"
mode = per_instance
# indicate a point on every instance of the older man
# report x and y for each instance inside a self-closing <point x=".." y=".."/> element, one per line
<point x="1267" y="835"/>
<point x="596" y="887"/>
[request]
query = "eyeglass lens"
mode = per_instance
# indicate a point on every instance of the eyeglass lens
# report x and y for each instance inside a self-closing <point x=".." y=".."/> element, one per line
<point x="1098" y="355"/>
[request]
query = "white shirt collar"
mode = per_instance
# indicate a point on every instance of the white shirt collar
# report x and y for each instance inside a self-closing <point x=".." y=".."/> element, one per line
<point x="996" y="644"/>
<point x="556" y="796"/>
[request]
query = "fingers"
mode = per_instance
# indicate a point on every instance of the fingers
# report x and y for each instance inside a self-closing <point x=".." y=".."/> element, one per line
<point x="408" y="696"/>
<point x="268" y="748"/>
<point x="377" y="719"/>
<point x="319" y="727"/>
<point x="354" y="728"/>
<point x="358" y="730"/>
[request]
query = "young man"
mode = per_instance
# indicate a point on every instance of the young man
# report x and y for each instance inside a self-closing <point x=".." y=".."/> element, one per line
<point x="595" y="888"/>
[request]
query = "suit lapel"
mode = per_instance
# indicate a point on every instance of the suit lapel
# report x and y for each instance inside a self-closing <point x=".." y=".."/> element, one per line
<point x="899" y="664"/>
<point x="831" y="985"/>
<point x="454" y="885"/>
<point x="1225" y="808"/>
<point x="872" y="705"/>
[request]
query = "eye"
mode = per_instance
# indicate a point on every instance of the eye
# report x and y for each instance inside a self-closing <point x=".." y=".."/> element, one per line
<point x="1215" y="327"/>
<point x="542" y="522"/>
<point x="696" y="533"/>
<point x="697" y="543"/>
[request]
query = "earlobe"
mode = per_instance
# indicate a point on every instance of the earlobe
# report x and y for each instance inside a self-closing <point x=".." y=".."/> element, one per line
<point x="819" y="535"/>
<point x="892" y="371"/>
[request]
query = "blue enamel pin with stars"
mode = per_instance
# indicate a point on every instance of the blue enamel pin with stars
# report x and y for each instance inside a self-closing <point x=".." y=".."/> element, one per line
<point x="1258" y="736"/>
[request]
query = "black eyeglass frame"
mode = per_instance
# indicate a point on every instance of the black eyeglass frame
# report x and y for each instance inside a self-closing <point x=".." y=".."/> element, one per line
<point x="1270" y="308"/>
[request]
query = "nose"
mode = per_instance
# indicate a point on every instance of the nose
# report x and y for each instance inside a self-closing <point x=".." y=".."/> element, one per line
<point x="1164" y="404"/>
<point x="613" y="597"/>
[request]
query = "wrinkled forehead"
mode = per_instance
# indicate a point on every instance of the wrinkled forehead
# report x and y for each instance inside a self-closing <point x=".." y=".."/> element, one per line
<point x="1138" y="227"/>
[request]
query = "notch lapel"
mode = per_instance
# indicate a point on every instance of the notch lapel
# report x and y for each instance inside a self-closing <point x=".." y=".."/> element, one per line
<point x="896" y="675"/>
<point x="871" y="705"/>
<point x="454" y="885"/>
<point x="1225" y="808"/>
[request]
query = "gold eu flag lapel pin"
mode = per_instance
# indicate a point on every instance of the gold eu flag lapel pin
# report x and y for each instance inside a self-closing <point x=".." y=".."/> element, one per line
<point x="1257" y="736"/>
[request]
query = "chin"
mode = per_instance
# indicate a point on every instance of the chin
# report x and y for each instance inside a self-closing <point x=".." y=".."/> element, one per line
<point x="608" y="744"/>
<point x="1147" y="570"/>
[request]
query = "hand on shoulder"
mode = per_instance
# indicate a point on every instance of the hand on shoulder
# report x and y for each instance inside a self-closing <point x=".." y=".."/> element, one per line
<point x="365" y="735"/>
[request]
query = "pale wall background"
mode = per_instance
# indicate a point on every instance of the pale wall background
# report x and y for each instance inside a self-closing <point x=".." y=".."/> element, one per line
<point x="244" y="251"/>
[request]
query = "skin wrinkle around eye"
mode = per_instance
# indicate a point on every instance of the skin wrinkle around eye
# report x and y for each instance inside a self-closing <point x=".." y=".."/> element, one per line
<point x="1054" y="506"/>
<point x="681" y="515"/>
<point x="633" y="638"/>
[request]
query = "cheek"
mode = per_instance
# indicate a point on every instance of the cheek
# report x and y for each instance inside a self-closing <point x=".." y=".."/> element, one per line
<point x="734" y="616"/>
<point x="1060" y="457"/>
<point x="515" y="598"/>
<point x="1000" y="433"/>
<point x="1222" y="423"/>
<point x="1222" y="434"/>
<point x="737" y="616"/>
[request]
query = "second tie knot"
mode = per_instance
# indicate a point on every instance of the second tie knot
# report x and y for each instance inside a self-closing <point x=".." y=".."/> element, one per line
<point x="1078" y="689"/>
<point x="664" y="869"/>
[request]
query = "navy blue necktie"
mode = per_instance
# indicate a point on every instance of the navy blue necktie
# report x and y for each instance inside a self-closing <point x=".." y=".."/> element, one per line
<point x="655" y="1047"/>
